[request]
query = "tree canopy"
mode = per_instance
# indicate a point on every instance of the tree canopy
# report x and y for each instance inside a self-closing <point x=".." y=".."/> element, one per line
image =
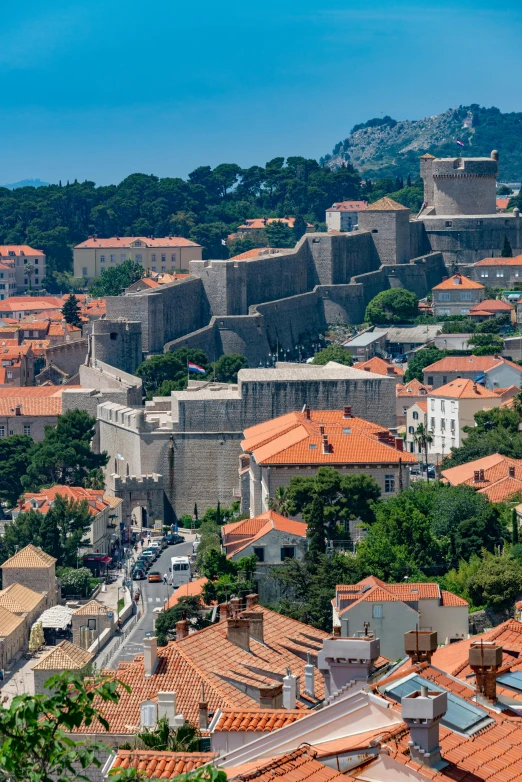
<point x="333" y="353"/>
<point x="396" y="305"/>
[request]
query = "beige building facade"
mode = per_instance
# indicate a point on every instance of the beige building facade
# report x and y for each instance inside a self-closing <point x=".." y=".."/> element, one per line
<point x="33" y="568"/>
<point x="29" y="266"/>
<point x="163" y="255"/>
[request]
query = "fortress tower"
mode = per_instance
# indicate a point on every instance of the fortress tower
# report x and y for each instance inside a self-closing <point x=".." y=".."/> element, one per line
<point x="389" y="223"/>
<point x="459" y="186"/>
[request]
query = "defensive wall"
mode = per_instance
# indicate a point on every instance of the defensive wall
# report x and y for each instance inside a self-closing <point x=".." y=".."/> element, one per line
<point x="460" y="186"/>
<point x="466" y="240"/>
<point x="68" y="356"/>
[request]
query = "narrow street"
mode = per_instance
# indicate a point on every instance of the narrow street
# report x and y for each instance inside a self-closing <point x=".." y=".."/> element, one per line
<point x="152" y="596"/>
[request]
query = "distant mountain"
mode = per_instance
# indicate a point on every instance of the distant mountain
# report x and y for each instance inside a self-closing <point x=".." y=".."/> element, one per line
<point x="26" y="183"/>
<point x="384" y="147"/>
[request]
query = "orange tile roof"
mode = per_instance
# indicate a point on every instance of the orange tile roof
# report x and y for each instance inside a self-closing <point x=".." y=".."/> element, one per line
<point x="65" y="656"/>
<point x="516" y="261"/>
<point x="29" y="557"/>
<point x="380" y="367"/>
<point x="42" y="500"/>
<point x="296" y="439"/>
<point x="25" y="392"/>
<point x="19" y="249"/>
<point x="258" y="223"/>
<point x="207" y="657"/>
<point x="20" y="599"/>
<point x="126" y="241"/>
<point x="502" y="203"/>
<point x="238" y="539"/>
<point x="464" y="388"/>
<point x="191" y="589"/>
<point x="153" y="764"/>
<point x="450" y="599"/>
<point x="258" y="250"/>
<point x="498" y="484"/>
<point x="9" y="622"/>
<point x="459" y="282"/>
<point x="372" y="589"/>
<point x="469" y="364"/>
<point x="413" y="388"/>
<point x="422" y="404"/>
<point x="298" y="766"/>
<point x="491" y="305"/>
<point x="92" y="608"/>
<point x="258" y="720"/>
<point x="348" y="206"/>
<point x="453" y="659"/>
<point x="386" y="204"/>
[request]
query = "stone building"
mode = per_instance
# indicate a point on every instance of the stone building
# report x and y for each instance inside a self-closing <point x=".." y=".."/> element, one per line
<point x="184" y="449"/>
<point x="343" y="215"/>
<point x="459" y="186"/>
<point x="24" y="602"/>
<point x="13" y="636"/>
<point x="65" y="656"/>
<point x="298" y="444"/>
<point x="493" y="371"/>
<point x="456" y="296"/>
<point x="29" y="409"/>
<point x="90" y="622"/>
<point x="498" y="272"/>
<point x="34" y="569"/>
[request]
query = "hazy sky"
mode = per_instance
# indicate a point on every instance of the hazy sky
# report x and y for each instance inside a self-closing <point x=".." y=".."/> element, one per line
<point x="98" y="89"/>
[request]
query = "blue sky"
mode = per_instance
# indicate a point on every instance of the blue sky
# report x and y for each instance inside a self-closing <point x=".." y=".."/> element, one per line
<point x="98" y="89"/>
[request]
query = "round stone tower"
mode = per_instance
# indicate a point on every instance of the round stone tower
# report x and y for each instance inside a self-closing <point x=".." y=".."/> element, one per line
<point x="465" y="186"/>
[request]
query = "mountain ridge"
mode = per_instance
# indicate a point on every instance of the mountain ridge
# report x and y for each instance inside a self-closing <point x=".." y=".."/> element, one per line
<point x="385" y="147"/>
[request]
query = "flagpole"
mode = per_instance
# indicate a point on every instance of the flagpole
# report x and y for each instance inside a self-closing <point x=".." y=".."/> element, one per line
<point x="188" y="373"/>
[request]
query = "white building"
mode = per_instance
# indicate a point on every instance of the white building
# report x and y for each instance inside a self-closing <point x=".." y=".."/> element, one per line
<point x="28" y="265"/>
<point x="344" y="215"/>
<point x="415" y="415"/>
<point x="452" y="407"/>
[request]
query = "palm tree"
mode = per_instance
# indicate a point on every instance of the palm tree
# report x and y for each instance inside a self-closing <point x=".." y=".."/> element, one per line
<point x="29" y="271"/>
<point x="423" y="437"/>
<point x="163" y="737"/>
<point x="281" y="502"/>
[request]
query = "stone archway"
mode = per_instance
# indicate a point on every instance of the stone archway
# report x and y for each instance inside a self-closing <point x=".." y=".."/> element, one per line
<point x="142" y="496"/>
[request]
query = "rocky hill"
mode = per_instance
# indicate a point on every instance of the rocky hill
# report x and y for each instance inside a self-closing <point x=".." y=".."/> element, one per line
<point x="386" y="147"/>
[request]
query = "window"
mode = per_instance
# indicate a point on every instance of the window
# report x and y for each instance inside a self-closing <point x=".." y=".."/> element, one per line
<point x="442" y="406"/>
<point x="84" y="271"/>
<point x="163" y="257"/>
<point x="91" y="624"/>
<point x="36" y="280"/>
<point x="122" y="257"/>
<point x="452" y="425"/>
<point x="467" y="295"/>
<point x="153" y="268"/>
<point x="287" y="552"/>
<point x="444" y="296"/>
<point x="173" y="259"/>
<point x="433" y="404"/>
<point x="484" y="274"/>
<point x="377" y="611"/>
<point x="102" y="259"/>
<point x="113" y="258"/>
<point x="411" y="429"/>
<point x="9" y="374"/>
<point x="448" y="223"/>
<point x="153" y="257"/>
<point x="2" y="431"/>
<point x="259" y="552"/>
<point x="138" y="258"/>
<point x="36" y="261"/>
<point x="453" y="407"/>
<point x="27" y="429"/>
<point x="443" y="424"/>
<point x="432" y="423"/>
<point x="464" y="310"/>
<point x="415" y="416"/>
<point x="163" y="268"/>
<point x="404" y="410"/>
<point x="430" y="380"/>
<point x="444" y="379"/>
<point x="500" y="272"/>
<point x="389" y="483"/>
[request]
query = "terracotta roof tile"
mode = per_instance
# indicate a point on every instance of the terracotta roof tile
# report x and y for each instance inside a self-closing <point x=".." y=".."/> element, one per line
<point x="386" y="204"/>
<point x="18" y="249"/>
<point x="246" y="532"/>
<point x="348" y="206"/>
<point x="413" y="388"/>
<point x="450" y="599"/>
<point x="464" y="388"/>
<point x="491" y="305"/>
<point x="458" y="282"/>
<point x="92" y="608"/>
<point x="64" y="656"/>
<point x="126" y="241"/>
<point x="161" y="765"/>
<point x="516" y="261"/>
<point x="469" y="364"/>
<point x="29" y="557"/>
<point x="20" y="599"/>
<point x="9" y="622"/>
<point x="186" y="590"/>
<point x="380" y="367"/>
<point x="41" y="501"/>
<point x="502" y="476"/>
<point x="298" y="766"/>
<point x="259" y="720"/>
<point x="453" y="659"/>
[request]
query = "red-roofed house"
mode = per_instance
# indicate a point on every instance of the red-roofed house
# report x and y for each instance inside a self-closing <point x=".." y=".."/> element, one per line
<point x="394" y="609"/>
<point x="494" y="371"/>
<point x="254" y="227"/>
<point x="496" y="476"/>
<point x="456" y="295"/>
<point x="164" y="254"/>
<point x="408" y="395"/>
<point x="499" y="272"/>
<point x="24" y="258"/>
<point x="344" y="215"/>
<point x="379" y="366"/>
<point x="104" y="510"/>
<point x="298" y="444"/>
<point x="416" y="414"/>
<point x="492" y="308"/>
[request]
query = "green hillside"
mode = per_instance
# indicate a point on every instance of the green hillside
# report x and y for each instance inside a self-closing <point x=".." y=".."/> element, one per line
<point x="389" y="148"/>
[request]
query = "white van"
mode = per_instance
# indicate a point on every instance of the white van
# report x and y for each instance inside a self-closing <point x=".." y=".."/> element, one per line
<point x="180" y="571"/>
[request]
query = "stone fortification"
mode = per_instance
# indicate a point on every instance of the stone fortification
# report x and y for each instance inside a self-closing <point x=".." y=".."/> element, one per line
<point x="460" y="186"/>
<point x="192" y="440"/>
<point x="466" y="240"/>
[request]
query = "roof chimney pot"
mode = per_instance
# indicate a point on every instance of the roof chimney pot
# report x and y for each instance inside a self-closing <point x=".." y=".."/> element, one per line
<point x="182" y="629"/>
<point x="422" y="712"/>
<point x="238" y="633"/>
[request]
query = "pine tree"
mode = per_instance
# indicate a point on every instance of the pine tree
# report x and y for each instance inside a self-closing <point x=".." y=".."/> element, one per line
<point x="316" y="532"/>
<point x="408" y="181"/>
<point x="299" y="228"/>
<point x="218" y="513"/>
<point x="50" y="536"/>
<point x="196" y="511"/>
<point x="71" y="311"/>
<point x="506" y="251"/>
<point x="514" y="528"/>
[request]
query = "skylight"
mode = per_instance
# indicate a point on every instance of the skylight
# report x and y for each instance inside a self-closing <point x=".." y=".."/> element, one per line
<point x="461" y="715"/>
<point x="513" y="680"/>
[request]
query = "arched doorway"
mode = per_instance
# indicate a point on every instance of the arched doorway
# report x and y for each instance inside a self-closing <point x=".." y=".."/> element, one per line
<point x="139" y="518"/>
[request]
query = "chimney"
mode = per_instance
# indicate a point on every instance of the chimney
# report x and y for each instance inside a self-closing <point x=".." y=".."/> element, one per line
<point x="18" y="410"/>
<point x="399" y="443"/>
<point x="422" y="712"/>
<point x="20" y="503"/>
<point x="271" y="697"/>
<point x="326" y="444"/>
<point x="224" y="611"/>
<point x="347" y="411"/>
<point x="256" y="629"/>
<point x="182" y="629"/>
<point x="238" y="632"/>
<point x="148" y="714"/>
<point x="150" y="655"/>
<point x="252" y="600"/>
<point x="321" y="429"/>
<point x="235" y="605"/>
<point x="309" y="672"/>
<point x="289" y="690"/>
<point x="345" y="660"/>
<point x="167" y="706"/>
<point x="390" y="370"/>
<point x="511" y="471"/>
<point x="476" y="476"/>
<point x="485" y="658"/>
<point x="481" y="475"/>
<point x="419" y="645"/>
<point x="307" y="412"/>
<point x="337" y="631"/>
<point x="203" y="710"/>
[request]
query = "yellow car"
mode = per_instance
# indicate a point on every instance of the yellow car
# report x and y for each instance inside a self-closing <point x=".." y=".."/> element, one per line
<point x="154" y="576"/>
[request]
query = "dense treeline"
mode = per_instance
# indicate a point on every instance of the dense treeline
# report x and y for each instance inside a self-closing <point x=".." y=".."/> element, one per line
<point x="205" y="208"/>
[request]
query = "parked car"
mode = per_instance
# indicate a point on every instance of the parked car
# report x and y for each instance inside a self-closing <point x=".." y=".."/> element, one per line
<point x="174" y="539"/>
<point x="138" y="574"/>
<point x="144" y="562"/>
<point x="154" y="575"/>
<point x="151" y="553"/>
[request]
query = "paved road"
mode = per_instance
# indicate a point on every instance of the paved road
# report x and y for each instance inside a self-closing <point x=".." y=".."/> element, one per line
<point x="153" y="596"/>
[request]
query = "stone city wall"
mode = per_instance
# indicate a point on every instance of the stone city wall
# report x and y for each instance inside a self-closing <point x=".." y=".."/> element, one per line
<point x="68" y="357"/>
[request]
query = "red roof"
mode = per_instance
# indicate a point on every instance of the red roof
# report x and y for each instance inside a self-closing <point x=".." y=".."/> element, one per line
<point x="491" y="305"/>
<point x="372" y="590"/>
<point x="458" y="282"/>
<point x="464" y="388"/>
<point x="348" y="206"/>
<point x="117" y="242"/>
<point x="500" y="477"/>
<point x="469" y="364"/>
<point x="19" y="249"/>
<point x="413" y="388"/>
<point x="296" y="439"/>
<point x="239" y="535"/>
<point x="380" y="367"/>
<point x="503" y="203"/>
<point x="161" y="765"/>
<point x="258" y="720"/>
<point x="42" y="501"/>
<point x="516" y="261"/>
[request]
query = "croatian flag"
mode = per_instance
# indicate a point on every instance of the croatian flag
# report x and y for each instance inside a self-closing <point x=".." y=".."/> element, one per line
<point x="195" y="368"/>
<point x="460" y="143"/>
